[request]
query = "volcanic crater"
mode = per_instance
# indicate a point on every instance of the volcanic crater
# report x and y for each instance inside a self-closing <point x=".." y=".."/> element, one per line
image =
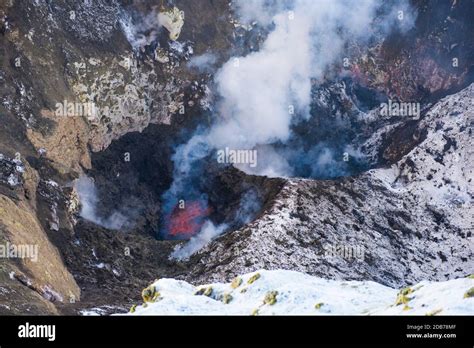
<point x="356" y="179"/>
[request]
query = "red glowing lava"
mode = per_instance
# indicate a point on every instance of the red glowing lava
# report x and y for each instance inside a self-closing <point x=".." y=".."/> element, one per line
<point x="186" y="221"/>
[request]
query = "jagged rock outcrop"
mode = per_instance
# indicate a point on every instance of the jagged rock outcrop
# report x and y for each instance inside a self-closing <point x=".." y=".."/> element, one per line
<point x="431" y="59"/>
<point x="84" y="74"/>
<point x="31" y="265"/>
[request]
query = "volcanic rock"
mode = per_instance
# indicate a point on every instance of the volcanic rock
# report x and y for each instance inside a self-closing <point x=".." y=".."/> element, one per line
<point x="413" y="219"/>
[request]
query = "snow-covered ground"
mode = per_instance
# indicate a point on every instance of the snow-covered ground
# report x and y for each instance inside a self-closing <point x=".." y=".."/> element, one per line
<point x="282" y="292"/>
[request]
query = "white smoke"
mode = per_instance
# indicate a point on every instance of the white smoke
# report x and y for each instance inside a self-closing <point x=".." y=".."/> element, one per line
<point x="88" y="197"/>
<point x="203" y="62"/>
<point x="207" y="233"/>
<point x="249" y="204"/>
<point x="140" y="33"/>
<point x="263" y="93"/>
<point x="261" y="11"/>
<point x="142" y="29"/>
<point x="87" y="192"/>
<point x="270" y="164"/>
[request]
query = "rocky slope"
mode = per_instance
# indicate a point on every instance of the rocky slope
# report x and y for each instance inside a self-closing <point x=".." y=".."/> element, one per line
<point x="400" y="225"/>
<point x="74" y="77"/>
<point x="33" y="283"/>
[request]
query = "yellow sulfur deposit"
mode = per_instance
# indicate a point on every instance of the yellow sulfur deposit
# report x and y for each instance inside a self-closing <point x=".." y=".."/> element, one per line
<point x="172" y="20"/>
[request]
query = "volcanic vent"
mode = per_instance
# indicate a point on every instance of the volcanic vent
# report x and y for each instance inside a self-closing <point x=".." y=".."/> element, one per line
<point x="286" y="95"/>
<point x="289" y="98"/>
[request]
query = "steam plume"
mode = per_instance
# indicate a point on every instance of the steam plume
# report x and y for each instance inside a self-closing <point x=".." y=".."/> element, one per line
<point x="89" y="199"/>
<point x="265" y="93"/>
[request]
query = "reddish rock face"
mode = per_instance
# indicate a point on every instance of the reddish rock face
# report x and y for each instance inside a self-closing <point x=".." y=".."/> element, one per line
<point x="431" y="60"/>
<point x="413" y="77"/>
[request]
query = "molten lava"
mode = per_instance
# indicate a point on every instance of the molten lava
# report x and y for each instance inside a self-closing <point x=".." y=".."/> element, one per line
<point x="187" y="221"/>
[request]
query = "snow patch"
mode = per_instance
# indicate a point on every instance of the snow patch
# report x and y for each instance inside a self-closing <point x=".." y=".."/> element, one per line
<point x="297" y="293"/>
